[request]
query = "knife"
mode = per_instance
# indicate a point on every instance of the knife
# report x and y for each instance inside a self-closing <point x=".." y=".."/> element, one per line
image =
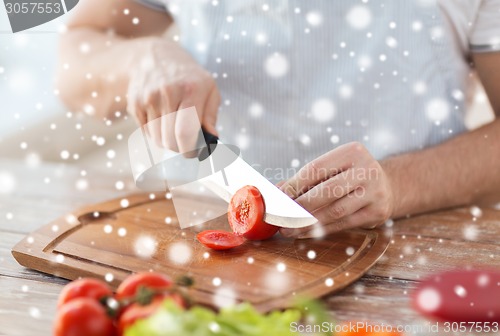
<point x="231" y="172"/>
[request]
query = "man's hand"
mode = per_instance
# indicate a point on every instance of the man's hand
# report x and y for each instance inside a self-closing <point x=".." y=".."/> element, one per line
<point x="344" y="188"/>
<point x="168" y="79"/>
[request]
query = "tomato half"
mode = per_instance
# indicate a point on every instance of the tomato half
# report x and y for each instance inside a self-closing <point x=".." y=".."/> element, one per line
<point x="138" y="312"/>
<point x="246" y="215"/>
<point x="130" y="286"/>
<point x="219" y="240"/>
<point x="89" y="288"/>
<point x="83" y="317"/>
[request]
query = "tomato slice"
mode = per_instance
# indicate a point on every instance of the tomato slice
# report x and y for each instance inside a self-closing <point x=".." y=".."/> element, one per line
<point x="246" y="215"/>
<point x="219" y="240"/>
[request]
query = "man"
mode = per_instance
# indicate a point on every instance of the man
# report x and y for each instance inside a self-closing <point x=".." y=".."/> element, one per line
<point x="368" y="97"/>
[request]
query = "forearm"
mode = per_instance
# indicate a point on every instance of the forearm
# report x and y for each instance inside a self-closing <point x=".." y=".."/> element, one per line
<point x="94" y="69"/>
<point x="461" y="171"/>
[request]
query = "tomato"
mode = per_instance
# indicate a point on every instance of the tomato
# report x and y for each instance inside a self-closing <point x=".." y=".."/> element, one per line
<point x="89" y="288"/>
<point x="130" y="286"/>
<point x="219" y="240"/>
<point x="138" y="312"/>
<point x="83" y="317"/>
<point x="246" y="215"/>
<point x="448" y="296"/>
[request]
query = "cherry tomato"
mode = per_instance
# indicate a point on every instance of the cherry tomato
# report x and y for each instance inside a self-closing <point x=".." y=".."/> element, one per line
<point x="83" y="317"/>
<point x="129" y="287"/>
<point x="219" y="240"/>
<point x="246" y="215"/>
<point x="89" y="288"/>
<point x="136" y="311"/>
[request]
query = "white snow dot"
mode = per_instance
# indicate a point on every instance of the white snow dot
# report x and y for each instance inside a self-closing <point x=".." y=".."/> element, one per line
<point x="168" y="220"/>
<point x="7" y="182"/>
<point x="206" y="255"/>
<point x="483" y="280"/>
<point x="2" y="70"/>
<point x="314" y="18"/>
<point x="224" y="297"/>
<point x="65" y="155"/>
<point x="122" y="232"/>
<point x="124" y="203"/>
<point x="470" y="232"/>
<point x="305" y="139"/>
<point x="35" y="313"/>
<point x="180" y="253"/>
<point x="417" y="26"/>
<point x="295" y="163"/>
<point x="334" y="139"/>
<point x="119" y="185"/>
<point x="276" y="65"/>
<point x="476" y="211"/>
<point x="460" y="291"/>
<point x="126" y="11"/>
<point x="311" y="254"/>
<point x="100" y="141"/>
<point x="437" y="109"/>
<point x="25" y="288"/>
<point x="216" y="282"/>
<point x="429" y="300"/>
<point x="135" y="21"/>
<point x="345" y="91"/>
<point x="359" y="17"/>
<point x="329" y="282"/>
<point x="391" y="42"/>
<point x="81" y="184"/>
<point x="419" y="88"/>
<point x="84" y="48"/>
<point x="256" y="110"/>
<point x="145" y="246"/>
<point x="108" y="228"/>
<point x="109" y="277"/>
<point x="281" y="267"/>
<point x="323" y="110"/>
<point x="59" y="258"/>
<point x="382" y="58"/>
<point x="229" y="19"/>
<point x="111" y="154"/>
<point x="392" y="25"/>
<point x="350" y="251"/>
<point x="242" y="141"/>
<point x="250" y="260"/>
<point x="261" y="38"/>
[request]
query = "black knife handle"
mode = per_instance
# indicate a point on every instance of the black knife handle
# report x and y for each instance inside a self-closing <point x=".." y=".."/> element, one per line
<point x="210" y="142"/>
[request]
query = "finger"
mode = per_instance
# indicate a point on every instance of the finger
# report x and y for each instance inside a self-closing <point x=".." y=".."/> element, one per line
<point x="211" y="110"/>
<point x="170" y="104"/>
<point x="329" y="191"/>
<point x="188" y="125"/>
<point x="324" y="167"/>
<point x="154" y="125"/>
<point x="362" y="217"/>
<point x="343" y="207"/>
<point x="332" y="213"/>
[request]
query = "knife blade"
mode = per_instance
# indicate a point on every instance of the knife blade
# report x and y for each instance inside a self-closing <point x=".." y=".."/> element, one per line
<point x="281" y="210"/>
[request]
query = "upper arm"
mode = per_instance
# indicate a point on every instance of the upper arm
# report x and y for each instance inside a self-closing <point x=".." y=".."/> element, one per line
<point x="488" y="69"/>
<point x="110" y="15"/>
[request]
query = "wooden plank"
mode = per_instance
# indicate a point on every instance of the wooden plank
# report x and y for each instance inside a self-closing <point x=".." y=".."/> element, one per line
<point x="414" y="257"/>
<point x="27" y="307"/>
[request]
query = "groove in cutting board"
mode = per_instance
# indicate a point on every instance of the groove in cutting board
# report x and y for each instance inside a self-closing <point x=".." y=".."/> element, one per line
<point x="248" y="273"/>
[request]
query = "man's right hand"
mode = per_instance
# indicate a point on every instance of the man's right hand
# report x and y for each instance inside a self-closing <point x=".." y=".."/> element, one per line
<point x="167" y="79"/>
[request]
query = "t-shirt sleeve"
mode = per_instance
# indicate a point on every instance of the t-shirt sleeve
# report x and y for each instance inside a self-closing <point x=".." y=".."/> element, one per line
<point x="485" y="32"/>
<point x="153" y="4"/>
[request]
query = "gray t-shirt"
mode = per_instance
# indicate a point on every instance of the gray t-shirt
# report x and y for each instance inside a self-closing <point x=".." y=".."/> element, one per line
<point x="299" y="78"/>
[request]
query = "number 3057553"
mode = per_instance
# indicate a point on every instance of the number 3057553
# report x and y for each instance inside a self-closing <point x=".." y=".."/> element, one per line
<point x="33" y="7"/>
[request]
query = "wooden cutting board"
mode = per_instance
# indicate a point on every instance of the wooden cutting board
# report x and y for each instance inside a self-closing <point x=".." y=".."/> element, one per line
<point x="140" y="233"/>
